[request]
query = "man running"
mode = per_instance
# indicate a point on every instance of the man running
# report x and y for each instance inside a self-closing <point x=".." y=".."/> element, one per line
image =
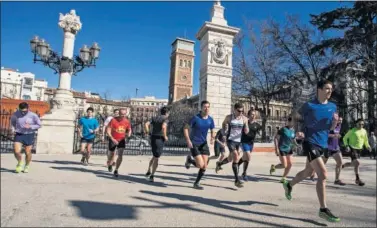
<point x="319" y="117"/>
<point x="234" y="123"/>
<point x="88" y="127"/>
<point x="24" y="123"/>
<point x="284" y="142"/>
<point x="110" y="159"/>
<point x="116" y="130"/>
<point x="197" y="140"/>
<point x="355" y="139"/>
<point x="334" y="151"/>
<point x="158" y="138"/>
<point x="247" y="141"/>
<point x="220" y="145"/>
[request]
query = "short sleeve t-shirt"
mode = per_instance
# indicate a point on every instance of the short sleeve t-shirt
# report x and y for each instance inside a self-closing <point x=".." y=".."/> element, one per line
<point x="220" y="136"/>
<point x="119" y="128"/>
<point x="334" y="142"/>
<point x="107" y="121"/>
<point x="254" y="127"/>
<point x="199" y="128"/>
<point x="88" y="124"/>
<point x="157" y="123"/>
<point x="317" y="121"/>
<point x="287" y="136"/>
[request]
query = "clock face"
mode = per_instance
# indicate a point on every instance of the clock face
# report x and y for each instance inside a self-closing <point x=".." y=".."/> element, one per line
<point x="184" y="78"/>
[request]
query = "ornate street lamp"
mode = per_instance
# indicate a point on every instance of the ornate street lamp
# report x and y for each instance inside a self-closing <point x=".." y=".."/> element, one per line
<point x="43" y="53"/>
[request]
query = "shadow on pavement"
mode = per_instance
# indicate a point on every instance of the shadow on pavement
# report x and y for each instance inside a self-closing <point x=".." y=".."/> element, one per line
<point x="66" y="163"/>
<point x="4" y="170"/>
<point x="225" y="205"/>
<point x="103" y="211"/>
<point x="189" y="181"/>
<point x="108" y="175"/>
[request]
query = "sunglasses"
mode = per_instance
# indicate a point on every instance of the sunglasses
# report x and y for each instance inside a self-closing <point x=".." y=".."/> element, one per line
<point x="240" y="111"/>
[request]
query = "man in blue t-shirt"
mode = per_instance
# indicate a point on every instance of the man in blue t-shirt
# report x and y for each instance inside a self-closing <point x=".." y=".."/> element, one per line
<point x="319" y="117"/>
<point x="197" y="140"/>
<point x="87" y="127"/>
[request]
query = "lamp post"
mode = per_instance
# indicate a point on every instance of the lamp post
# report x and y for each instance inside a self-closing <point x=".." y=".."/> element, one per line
<point x="67" y="64"/>
<point x="56" y="135"/>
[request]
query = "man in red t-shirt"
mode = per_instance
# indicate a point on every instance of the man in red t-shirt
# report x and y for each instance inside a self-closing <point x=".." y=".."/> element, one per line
<point x="118" y="130"/>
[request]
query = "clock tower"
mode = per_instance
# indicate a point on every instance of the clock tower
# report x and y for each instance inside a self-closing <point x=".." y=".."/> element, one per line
<point x="181" y="69"/>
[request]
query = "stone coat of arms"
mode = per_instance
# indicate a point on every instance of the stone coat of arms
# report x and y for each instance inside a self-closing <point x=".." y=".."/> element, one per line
<point x="219" y="54"/>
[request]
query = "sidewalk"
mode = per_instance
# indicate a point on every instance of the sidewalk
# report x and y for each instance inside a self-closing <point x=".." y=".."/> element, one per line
<point x="59" y="191"/>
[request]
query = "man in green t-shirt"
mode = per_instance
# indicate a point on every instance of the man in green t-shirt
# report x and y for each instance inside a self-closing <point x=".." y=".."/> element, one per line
<point x="354" y="141"/>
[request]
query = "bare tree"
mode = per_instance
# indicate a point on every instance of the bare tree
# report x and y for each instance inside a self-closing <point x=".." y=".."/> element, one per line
<point x="258" y="74"/>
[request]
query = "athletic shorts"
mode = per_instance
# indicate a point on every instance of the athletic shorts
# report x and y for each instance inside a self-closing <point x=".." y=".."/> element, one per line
<point x="200" y="150"/>
<point x="89" y="141"/>
<point x="232" y="145"/>
<point x="219" y="149"/>
<point x="121" y="145"/>
<point x="313" y="151"/>
<point x="25" y="139"/>
<point x="247" y="147"/>
<point x="285" y="153"/>
<point x="157" y="143"/>
<point x="330" y="153"/>
<point x="355" y="154"/>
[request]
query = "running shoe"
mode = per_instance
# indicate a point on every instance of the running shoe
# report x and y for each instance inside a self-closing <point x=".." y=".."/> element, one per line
<point x="326" y="214"/>
<point x="238" y="184"/>
<point x="218" y="167"/>
<point x="339" y="182"/>
<point x="272" y="169"/>
<point x="282" y="180"/>
<point x="151" y="178"/>
<point x="116" y="173"/>
<point x="360" y="182"/>
<point x="187" y="163"/>
<point x="19" y="167"/>
<point x="244" y="177"/>
<point x="288" y="190"/>
<point x="26" y="169"/>
<point x="198" y="186"/>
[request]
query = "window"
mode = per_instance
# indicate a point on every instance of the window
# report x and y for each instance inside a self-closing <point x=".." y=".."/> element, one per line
<point x="26" y="97"/>
<point x="285" y="113"/>
<point x="185" y="63"/>
<point x="277" y="113"/>
<point x="28" y="81"/>
<point x="153" y="104"/>
<point x="38" y="98"/>
<point x="269" y="112"/>
<point x="181" y="63"/>
<point x="189" y="64"/>
<point x="269" y="130"/>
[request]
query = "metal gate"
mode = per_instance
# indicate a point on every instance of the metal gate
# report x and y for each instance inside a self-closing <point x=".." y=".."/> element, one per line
<point x="138" y="144"/>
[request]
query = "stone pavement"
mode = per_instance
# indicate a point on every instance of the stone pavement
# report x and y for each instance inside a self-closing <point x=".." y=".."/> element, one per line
<point x="59" y="191"/>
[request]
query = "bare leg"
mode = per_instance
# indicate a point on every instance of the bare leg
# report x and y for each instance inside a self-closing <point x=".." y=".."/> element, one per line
<point x="120" y="158"/>
<point x="288" y="166"/>
<point x="283" y="163"/>
<point x="17" y="152"/>
<point x="28" y="154"/>
<point x="89" y="151"/>
<point x="320" y="168"/>
<point x="300" y="176"/>
<point x="83" y="147"/>
<point x="150" y="165"/>
<point x="338" y="168"/>
<point x="155" y="165"/>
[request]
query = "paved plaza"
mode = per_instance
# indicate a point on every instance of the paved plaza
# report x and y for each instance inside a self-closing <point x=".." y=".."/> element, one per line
<point x="59" y="191"/>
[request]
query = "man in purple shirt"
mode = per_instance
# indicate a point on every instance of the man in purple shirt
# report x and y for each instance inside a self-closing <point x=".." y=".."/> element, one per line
<point x="25" y="123"/>
<point x="334" y="151"/>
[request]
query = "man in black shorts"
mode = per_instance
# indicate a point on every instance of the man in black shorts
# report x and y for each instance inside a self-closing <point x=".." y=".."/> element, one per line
<point x="197" y="141"/>
<point x="118" y="130"/>
<point x="158" y="138"/>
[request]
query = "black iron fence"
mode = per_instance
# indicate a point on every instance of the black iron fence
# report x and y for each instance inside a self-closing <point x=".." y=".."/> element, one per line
<point x="138" y="143"/>
<point x="7" y="135"/>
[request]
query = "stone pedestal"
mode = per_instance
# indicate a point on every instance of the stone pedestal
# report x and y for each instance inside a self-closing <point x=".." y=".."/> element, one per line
<point x="216" y="45"/>
<point x="57" y="131"/>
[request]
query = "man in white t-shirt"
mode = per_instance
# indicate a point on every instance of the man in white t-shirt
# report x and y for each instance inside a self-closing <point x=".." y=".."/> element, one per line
<point x="107" y="121"/>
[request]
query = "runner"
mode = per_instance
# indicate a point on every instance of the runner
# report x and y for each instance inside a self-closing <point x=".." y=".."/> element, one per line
<point x="220" y="145"/>
<point x="88" y="127"/>
<point x="334" y="151"/>
<point x="197" y="140"/>
<point x="355" y="139"/>
<point x="158" y="138"/>
<point x="24" y="125"/>
<point x="285" y="139"/>
<point x="235" y="123"/>
<point x="373" y="145"/>
<point x="116" y="130"/>
<point x="319" y="116"/>
<point x="110" y="156"/>
<point x="247" y="141"/>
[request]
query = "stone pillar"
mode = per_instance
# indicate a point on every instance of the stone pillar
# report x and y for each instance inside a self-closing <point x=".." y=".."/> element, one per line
<point x="57" y="131"/>
<point x="216" y="45"/>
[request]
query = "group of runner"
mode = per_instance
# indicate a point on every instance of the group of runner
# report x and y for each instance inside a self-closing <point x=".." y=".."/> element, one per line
<point x="320" y="136"/>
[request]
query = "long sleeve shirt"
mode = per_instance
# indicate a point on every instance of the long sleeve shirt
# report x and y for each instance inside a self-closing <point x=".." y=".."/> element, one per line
<point x="19" y="121"/>
<point x="356" y="138"/>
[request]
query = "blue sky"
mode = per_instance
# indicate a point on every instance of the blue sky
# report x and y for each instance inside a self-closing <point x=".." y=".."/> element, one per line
<point x="135" y="37"/>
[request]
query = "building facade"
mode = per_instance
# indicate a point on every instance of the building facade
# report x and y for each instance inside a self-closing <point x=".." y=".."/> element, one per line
<point x="181" y="69"/>
<point x="23" y="86"/>
<point x="144" y="108"/>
